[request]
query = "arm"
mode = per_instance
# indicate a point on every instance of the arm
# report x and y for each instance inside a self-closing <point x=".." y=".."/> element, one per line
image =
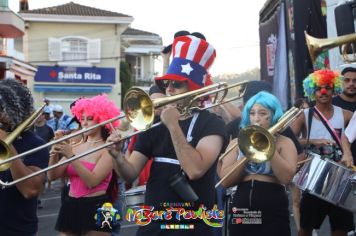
<point x="228" y="163"/>
<point x="58" y="172"/>
<point x="31" y="187"/>
<point x="350" y="131"/>
<point x="299" y="128"/>
<point x="194" y="161"/>
<point x="284" y="161"/>
<point x="128" y="167"/>
<point x="346" y="159"/>
<point x="91" y="178"/>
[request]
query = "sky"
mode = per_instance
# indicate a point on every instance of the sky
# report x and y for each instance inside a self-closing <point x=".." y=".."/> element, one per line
<point x="230" y="26"/>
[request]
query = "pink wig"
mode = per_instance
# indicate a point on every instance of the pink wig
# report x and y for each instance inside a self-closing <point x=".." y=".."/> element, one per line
<point x="99" y="107"/>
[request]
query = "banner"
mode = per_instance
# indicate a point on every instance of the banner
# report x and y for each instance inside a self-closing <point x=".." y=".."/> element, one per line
<point x="62" y="74"/>
<point x="280" y="77"/>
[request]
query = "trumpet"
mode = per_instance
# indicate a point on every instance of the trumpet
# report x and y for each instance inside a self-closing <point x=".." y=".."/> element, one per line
<point x="139" y="109"/>
<point x="317" y="46"/>
<point x="258" y="144"/>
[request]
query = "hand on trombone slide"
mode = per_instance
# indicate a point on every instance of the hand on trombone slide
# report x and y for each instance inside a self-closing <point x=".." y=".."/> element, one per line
<point x="115" y="138"/>
<point x="62" y="149"/>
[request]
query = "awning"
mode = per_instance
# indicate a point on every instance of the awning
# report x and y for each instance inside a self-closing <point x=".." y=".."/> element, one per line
<point x="19" y="67"/>
<point x="72" y="89"/>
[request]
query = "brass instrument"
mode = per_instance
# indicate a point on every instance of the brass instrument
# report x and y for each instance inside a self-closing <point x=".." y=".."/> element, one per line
<point x="258" y="144"/>
<point x="139" y="107"/>
<point x="5" y="144"/>
<point x="317" y="46"/>
<point x="140" y="113"/>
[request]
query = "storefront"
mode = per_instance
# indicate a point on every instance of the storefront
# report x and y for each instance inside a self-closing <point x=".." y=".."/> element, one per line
<point x="62" y="85"/>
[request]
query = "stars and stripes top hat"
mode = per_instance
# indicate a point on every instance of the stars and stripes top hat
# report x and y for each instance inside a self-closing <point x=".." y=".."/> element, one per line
<point x="192" y="58"/>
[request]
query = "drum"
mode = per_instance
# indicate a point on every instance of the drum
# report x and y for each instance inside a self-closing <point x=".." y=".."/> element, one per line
<point x="135" y="196"/>
<point x="329" y="181"/>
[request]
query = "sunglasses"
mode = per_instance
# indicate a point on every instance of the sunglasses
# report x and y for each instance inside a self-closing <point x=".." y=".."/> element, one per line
<point x="173" y="83"/>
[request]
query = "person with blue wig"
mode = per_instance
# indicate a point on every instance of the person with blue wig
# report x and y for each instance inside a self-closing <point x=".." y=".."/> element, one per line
<point x="260" y="204"/>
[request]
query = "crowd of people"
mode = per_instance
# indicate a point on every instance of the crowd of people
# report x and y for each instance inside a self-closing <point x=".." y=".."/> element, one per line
<point x="178" y="161"/>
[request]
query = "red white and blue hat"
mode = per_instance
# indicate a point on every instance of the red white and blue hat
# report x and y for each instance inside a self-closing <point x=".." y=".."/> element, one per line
<point x="192" y="57"/>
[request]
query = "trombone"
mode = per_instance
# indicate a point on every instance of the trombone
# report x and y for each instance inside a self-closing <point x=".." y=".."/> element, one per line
<point x="5" y="144"/>
<point x="257" y="143"/>
<point x="139" y="108"/>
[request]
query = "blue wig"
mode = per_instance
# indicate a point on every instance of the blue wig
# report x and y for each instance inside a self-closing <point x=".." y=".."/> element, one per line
<point x="266" y="100"/>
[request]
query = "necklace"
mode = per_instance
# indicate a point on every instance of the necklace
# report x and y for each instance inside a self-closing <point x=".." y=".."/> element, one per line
<point x="94" y="141"/>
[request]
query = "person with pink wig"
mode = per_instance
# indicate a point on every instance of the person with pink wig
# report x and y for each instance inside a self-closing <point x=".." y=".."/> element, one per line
<point x="92" y="180"/>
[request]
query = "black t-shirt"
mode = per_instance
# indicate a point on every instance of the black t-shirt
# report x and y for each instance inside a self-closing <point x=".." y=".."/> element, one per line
<point x="45" y="132"/>
<point x="157" y="142"/>
<point x="234" y="128"/>
<point x="18" y="215"/>
<point x="338" y="101"/>
<point x="351" y="106"/>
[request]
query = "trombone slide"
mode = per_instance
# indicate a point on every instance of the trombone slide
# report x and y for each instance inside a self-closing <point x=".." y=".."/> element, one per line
<point x="234" y="168"/>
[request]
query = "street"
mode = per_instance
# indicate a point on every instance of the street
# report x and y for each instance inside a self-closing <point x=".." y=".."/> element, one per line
<point x="51" y="203"/>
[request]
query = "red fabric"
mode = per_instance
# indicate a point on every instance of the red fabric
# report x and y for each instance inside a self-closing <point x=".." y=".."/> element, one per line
<point x="145" y="173"/>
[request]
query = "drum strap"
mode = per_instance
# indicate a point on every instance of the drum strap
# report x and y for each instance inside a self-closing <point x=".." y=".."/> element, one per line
<point x="328" y="127"/>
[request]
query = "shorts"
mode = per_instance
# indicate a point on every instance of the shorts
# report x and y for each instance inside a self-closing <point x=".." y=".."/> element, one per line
<point x="77" y="215"/>
<point x="259" y="208"/>
<point x="313" y="211"/>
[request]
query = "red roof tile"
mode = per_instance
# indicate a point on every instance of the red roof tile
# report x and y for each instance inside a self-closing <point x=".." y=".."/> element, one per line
<point x="72" y="8"/>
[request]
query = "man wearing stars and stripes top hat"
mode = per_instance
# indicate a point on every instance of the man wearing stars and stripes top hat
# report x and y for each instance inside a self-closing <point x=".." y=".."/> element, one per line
<point x="184" y="149"/>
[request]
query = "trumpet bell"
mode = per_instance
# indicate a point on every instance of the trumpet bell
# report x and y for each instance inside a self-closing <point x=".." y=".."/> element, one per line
<point x="4" y="155"/>
<point x="317" y="45"/>
<point x="256" y="143"/>
<point x="139" y="108"/>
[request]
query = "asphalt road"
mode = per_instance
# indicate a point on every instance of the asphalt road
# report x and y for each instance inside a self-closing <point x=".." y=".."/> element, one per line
<point x="51" y="203"/>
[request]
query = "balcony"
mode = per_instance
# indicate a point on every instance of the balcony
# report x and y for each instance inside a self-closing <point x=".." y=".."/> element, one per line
<point x="11" y="25"/>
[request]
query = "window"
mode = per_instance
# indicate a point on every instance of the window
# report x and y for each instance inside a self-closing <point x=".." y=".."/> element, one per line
<point x="74" y="50"/>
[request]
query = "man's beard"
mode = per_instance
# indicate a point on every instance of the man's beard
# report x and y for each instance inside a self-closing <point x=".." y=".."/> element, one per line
<point x="349" y="95"/>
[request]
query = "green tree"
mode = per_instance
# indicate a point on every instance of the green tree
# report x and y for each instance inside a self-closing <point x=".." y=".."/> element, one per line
<point x="125" y="79"/>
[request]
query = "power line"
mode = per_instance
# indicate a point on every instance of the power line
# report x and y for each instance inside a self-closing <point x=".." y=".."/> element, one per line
<point x="77" y="60"/>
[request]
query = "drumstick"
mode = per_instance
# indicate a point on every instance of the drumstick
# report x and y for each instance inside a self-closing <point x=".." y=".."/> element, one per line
<point x="303" y="161"/>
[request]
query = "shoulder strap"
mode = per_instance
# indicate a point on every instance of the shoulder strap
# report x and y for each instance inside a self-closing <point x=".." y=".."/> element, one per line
<point x="310" y="117"/>
<point x="329" y="128"/>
